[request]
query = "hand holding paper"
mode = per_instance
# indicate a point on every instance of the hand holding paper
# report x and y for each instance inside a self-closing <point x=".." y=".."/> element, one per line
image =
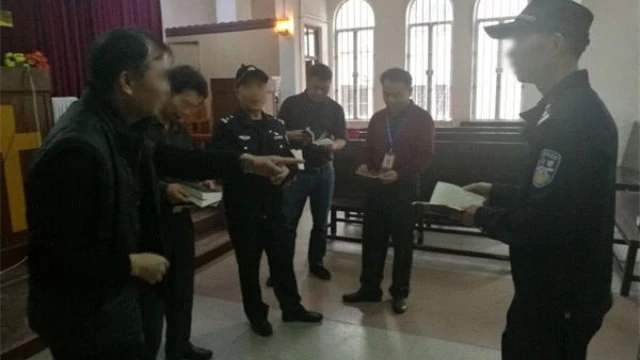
<point x="363" y="170"/>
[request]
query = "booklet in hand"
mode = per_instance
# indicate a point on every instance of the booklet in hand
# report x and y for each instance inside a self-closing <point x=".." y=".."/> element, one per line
<point x="201" y="195"/>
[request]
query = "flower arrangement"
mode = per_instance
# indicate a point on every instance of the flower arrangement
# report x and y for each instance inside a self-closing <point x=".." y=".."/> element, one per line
<point x="35" y="59"/>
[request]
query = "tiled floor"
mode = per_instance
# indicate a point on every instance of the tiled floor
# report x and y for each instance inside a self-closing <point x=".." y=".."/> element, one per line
<point x="220" y="325"/>
<point x="457" y="311"/>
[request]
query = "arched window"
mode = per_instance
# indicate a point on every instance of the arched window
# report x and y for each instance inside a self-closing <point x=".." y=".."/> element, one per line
<point x="429" y="24"/>
<point x="497" y="92"/>
<point x="354" y="25"/>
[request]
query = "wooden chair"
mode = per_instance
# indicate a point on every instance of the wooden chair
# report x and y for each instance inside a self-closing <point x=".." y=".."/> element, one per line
<point x="628" y="225"/>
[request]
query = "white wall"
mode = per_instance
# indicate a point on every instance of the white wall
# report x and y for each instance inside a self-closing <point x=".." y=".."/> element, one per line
<point x="177" y="13"/>
<point x="614" y="60"/>
<point x="315" y="9"/>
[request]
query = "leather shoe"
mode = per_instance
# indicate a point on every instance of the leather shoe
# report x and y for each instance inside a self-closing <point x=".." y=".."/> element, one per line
<point x="262" y="328"/>
<point x="192" y="352"/>
<point x="301" y="314"/>
<point x="320" y="272"/>
<point x="400" y="305"/>
<point x="361" y="296"/>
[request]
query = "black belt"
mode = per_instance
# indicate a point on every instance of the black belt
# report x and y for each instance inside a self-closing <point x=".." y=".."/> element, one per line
<point x="319" y="169"/>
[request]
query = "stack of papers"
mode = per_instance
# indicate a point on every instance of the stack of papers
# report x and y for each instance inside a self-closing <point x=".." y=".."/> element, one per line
<point x="202" y="196"/>
<point x="448" y="199"/>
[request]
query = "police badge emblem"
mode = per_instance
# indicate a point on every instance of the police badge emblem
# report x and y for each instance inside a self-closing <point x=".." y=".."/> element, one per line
<point x="546" y="168"/>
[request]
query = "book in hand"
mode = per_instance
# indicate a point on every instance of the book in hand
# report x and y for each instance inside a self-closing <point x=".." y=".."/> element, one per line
<point x="449" y="199"/>
<point x="201" y="195"/>
<point x="322" y="140"/>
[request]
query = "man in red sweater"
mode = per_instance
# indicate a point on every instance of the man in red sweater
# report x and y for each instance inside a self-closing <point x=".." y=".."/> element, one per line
<point x="398" y="149"/>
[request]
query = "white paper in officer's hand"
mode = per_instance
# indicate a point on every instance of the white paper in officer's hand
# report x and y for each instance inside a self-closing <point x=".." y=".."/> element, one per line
<point x="298" y="155"/>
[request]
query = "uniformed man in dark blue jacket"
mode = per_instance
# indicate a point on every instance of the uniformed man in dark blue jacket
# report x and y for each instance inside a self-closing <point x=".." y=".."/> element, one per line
<point x="254" y="206"/>
<point x="559" y="222"/>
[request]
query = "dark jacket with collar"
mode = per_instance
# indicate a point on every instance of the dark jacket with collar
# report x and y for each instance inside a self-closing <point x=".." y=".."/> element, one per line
<point x="248" y="195"/>
<point x="559" y="222"/>
<point x="91" y="202"/>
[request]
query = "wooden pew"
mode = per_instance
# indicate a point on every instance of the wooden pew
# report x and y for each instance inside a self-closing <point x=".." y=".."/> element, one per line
<point x="628" y="225"/>
<point x="461" y="159"/>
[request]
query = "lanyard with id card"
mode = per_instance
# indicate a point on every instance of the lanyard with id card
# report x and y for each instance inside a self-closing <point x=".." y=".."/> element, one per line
<point x="390" y="158"/>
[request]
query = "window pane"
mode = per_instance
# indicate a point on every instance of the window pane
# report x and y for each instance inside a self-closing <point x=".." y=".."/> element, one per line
<point x="354" y="58"/>
<point x="425" y="11"/>
<point x="429" y="55"/>
<point x="419" y="63"/>
<point x="344" y="75"/>
<point x="498" y="94"/>
<point x="365" y="75"/>
<point x="486" y="77"/>
<point x="354" y="14"/>
<point x="441" y="83"/>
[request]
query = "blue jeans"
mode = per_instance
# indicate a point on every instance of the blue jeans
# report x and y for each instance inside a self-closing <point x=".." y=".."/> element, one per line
<point x="317" y="185"/>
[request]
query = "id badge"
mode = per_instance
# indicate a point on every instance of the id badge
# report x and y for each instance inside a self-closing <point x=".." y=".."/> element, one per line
<point x="388" y="161"/>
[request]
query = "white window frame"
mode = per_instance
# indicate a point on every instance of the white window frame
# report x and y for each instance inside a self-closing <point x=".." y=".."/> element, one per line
<point x="354" y="32"/>
<point x="430" y="25"/>
<point x="479" y="24"/>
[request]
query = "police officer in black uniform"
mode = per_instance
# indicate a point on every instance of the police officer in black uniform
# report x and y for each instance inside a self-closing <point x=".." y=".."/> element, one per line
<point x="254" y="205"/>
<point x="559" y="221"/>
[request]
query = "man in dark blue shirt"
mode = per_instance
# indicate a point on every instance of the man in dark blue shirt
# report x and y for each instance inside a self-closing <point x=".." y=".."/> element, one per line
<point x="316" y="124"/>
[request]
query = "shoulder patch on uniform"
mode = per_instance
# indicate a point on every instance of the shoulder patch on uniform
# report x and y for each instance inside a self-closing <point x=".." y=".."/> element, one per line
<point x="546" y="168"/>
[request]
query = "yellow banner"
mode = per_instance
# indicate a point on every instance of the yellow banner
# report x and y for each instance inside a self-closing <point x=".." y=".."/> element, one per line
<point x="11" y="143"/>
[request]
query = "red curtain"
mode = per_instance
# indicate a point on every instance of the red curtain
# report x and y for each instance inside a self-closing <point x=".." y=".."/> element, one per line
<point x="64" y="29"/>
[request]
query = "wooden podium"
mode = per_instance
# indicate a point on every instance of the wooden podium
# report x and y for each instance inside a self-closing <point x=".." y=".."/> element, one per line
<point x="25" y="118"/>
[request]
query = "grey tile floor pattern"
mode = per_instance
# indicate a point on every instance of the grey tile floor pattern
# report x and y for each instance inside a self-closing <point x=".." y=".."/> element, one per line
<point x="221" y="326"/>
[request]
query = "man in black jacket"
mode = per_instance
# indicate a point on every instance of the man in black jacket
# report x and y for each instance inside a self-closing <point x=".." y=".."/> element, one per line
<point x="175" y="300"/>
<point x="559" y="222"/>
<point x="92" y="204"/>
<point x="254" y="206"/>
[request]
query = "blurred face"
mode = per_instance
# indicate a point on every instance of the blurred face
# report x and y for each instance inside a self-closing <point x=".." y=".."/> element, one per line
<point x="318" y="89"/>
<point x="396" y="95"/>
<point x="532" y="55"/>
<point x="183" y="104"/>
<point x="145" y="94"/>
<point x="252" y="95"/>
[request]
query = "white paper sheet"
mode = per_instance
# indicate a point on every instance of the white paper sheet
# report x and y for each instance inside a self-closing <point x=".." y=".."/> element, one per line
<point x="454" y="196"/>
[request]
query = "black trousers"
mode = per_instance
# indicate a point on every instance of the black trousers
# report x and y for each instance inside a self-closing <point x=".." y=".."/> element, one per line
<point x="388" y="213"/>
<point x="129" y="352"/>
<point x="536" y="335"/>
<point x="174" y="300"/>
<point x="250" y="238"/>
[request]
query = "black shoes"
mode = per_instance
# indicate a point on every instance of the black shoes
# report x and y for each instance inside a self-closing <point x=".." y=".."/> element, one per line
<point x="361" y="296"/>
<point x="320" y="272"/>
<point x="262" y="328"/>
<point x="399" y="305"/>
<point x="192" y="352"/>
<point x="300" y="314"/>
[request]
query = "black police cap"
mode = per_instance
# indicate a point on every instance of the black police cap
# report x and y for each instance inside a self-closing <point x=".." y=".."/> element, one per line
<point x="540" y="16"/>
<point x="250" y="72"/>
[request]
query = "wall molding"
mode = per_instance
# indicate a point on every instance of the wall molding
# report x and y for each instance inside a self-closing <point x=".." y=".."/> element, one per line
<point x="217" y="28"/>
